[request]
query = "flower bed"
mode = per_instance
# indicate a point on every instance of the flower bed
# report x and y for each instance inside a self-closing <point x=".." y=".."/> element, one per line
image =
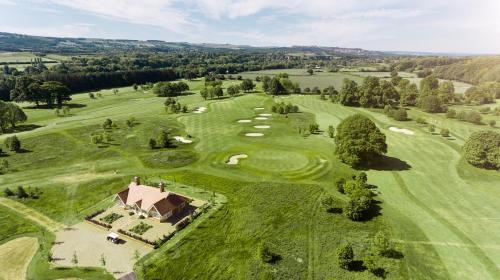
<point x="141" y="228"/>
<point x="111" y="218"/>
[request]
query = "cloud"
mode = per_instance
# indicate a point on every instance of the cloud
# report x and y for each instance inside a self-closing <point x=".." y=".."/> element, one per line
<point x="68" y="30"/>
<point x="161" y="13"/>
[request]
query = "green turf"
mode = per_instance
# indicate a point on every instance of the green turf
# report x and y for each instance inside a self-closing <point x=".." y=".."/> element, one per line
<point x="274" y="194"/>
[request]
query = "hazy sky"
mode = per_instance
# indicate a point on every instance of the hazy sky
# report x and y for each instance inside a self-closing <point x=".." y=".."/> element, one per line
<point x="416" y="25"/>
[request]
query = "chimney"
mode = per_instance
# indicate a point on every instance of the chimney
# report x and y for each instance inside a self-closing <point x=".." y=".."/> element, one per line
<point x="162" y="186"/>
<point x="137" y="180"/>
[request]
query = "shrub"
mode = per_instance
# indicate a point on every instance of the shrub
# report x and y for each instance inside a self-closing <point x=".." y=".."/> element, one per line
<point x="7" y="192"/>
<point x="451" y="113"/>
<point x="12" y="143"/>
<point x="267" y="255"/>
<point x="381" y="244"/>
<point x="339" y="184"/>
<point x="400" y="115"/>
<point x="421" y="121"/>
<point x="445" y="132"/>
<point x="345" y="256"/>
<point x="152" y="143"/>
<point x="473" y="117"/>
<point x="481" y="149"/>
<point x="492" y="123"/>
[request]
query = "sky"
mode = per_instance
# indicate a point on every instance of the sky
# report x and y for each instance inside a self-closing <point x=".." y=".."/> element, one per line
<point x="451" y="26"/>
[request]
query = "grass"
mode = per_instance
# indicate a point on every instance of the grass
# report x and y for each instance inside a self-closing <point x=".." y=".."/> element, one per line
<point x="15" y="256"/>
<point x="141" y="228"/>
<point x="273" y="196"/>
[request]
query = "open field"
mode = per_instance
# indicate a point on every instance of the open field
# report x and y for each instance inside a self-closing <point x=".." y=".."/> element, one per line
<point x="273" y="196"/>
<point x="15" y="256"/>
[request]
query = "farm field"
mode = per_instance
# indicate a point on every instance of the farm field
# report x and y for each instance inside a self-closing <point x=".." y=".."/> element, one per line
<point x="325" y="79"/>
<point x="273" y="196"/>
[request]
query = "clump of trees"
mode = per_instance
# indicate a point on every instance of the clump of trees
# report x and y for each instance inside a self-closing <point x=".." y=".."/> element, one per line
<point x="397" y="114"/>
<point x="247" y="85"/>
<point x="358" y="140"/>
<point x="10" y="116"/>
<point x="279" y="85"/>
<point x="283" y="108"/>
<point x="211" y="91"/>
<point x="373" y="93"/>
<point x="163" y="140"/>
<point x="482" y="149"/>
<point x="21" y="193"/>
<point x="170" y="89"/>
<point x="34" y="90"/>
<point x="173" y="106"/>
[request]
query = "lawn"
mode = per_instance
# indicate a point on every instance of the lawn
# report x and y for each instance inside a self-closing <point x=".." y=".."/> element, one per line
<point x="273" y="196"/>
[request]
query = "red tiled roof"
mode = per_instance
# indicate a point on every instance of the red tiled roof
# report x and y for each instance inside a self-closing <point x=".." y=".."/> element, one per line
<point x="146" y="197"/>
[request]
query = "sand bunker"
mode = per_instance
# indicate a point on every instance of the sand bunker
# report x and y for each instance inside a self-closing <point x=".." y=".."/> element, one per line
<point x="265" y="115"/>
<point x="262" y="126"/>
<point x="183" y="140"/>
<point x="244" y="121"/>
<point x="258" y="108"/>
<point x="401" y="130"/>
<point x="233" y="160"/>
<point x="200" y="110"/>
<point x="254" y="134"/>
<point x="261" y="118"/>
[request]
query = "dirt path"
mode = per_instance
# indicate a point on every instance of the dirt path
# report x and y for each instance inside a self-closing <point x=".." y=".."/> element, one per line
<point x="31" y="214"/>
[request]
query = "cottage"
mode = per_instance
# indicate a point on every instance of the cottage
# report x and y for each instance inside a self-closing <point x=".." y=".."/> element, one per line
<point x="150" y="201"/>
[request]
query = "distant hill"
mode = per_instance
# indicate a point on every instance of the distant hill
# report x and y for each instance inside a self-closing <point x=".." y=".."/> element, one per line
<point x="18" y="42"/>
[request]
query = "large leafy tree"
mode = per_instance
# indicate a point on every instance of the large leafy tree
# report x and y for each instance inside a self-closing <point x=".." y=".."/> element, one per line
<point x="482" y="149"/>
<point x="358" y="140"/>
<point x="53" y="91"/>
<point x="349" y="93"/>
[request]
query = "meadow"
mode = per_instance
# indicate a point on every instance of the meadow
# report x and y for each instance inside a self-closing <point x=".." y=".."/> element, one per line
<point x="273" y="196"/>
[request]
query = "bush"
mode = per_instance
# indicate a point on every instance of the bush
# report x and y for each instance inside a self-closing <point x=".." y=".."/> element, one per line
<point x="267" y="255"/>
<point x="339" y="184"/>
<point x="345" y="256"/>
<point x="432" y="128"/>
<point x="421" y="121"/>
<point x="481" y="149"/>
<point x="357" y="208"/>
<point x="400" y="115"/>
<point x="451" y="114"/>
<point x="381" y="244"/>
<point x="492" y="123"/>
<point x="7" y="192"/>
<point x="445" y="132"/>
<point x="12" y="143"/>
<point x="473" y="117"/>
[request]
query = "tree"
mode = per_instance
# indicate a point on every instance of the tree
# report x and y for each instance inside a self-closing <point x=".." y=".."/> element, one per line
<point x="431" y="104"/>
<point x="451" y="113"/>
<point x="482" y="149"/>
<point x="247" y="85"/>
<point x="7" y="192"/>
<point x="310" y="71"/>
<point x="217" y="91"/>
<point x="357" y="207"/>
<point x="348" y="93"/>
<point x="164" y="140"/>
<point x="135" y="87"/>
<point x="204" y="93"/>
<point x="275" y="87"/>
<point x="267" y="255"/>
<point x="381" y="244"/>
<point x="21" y="193"/>
<point x="74" y="259"/>
<point x="473" y="117"/>
<point x="428" y="85"/>
<point x="492" y="123"/>
<point x="445" y="132"/>
<point x="107" y="124"/>
<point x="313" y="128"/>
<point x="345" y="256"/>
<point x="152" y="143"/>
<point x="400" y="114"/>
<point x="102" y="260"/>
<point x="54" y="91"/>
<point x="331" y="131"/>
<point x="359" y="140"/>
<point x="233" y="90"/>
<point x="13" y="143"/>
